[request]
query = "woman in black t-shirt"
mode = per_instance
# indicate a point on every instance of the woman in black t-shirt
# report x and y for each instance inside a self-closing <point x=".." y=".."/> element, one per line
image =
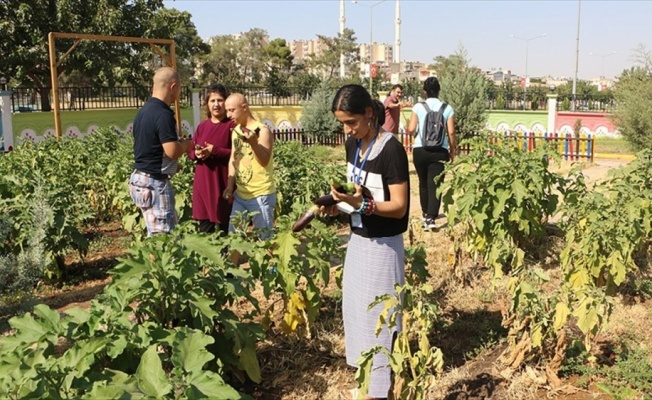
<point x="374" y="261"/>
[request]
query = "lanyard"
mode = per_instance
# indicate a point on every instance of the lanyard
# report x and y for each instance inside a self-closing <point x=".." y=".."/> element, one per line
<point x="357" y="178"/>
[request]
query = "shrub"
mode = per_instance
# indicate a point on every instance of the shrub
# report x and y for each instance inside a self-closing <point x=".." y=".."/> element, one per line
<point x="316" y="117"/>
<point x="19" y="273"/>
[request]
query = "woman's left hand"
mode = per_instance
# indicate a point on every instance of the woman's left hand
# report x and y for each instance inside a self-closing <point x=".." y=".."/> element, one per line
<point x="204" y="152"/>
<point x="354" y="200"/>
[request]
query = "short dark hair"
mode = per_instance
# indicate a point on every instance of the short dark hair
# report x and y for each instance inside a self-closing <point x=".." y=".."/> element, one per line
<point x="397" y="86"/>
<point x="431" y="87"/>
<point x="214" y="88"/>
<point x="355" y="99"/>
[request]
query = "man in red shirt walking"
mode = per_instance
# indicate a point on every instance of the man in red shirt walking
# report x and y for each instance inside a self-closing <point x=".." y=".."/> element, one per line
<point x="393" y="109"/>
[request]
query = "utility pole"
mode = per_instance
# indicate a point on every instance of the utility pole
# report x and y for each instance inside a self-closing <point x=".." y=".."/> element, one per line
<point x="371" y="41"/>
<point x="577" y="53"/>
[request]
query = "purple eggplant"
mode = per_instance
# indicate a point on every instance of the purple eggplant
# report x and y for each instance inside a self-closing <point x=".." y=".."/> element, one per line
<point x="305" y="219"/>
<point x="326" y="200"/>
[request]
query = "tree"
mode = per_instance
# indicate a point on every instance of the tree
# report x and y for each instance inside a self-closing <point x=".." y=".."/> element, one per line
<point x="252" y="56"/>
<point x="537" y="96"/>
<point x="316" y="117"/>
<point x="25" y="26"/>
<point x="508" y="91"/>
<point x="465" y="88"/>
<point x="412" y="89"/>
<point x="276" y="83"/>
<point x="500" y="102"/>
<point x="245" y="59"/>
<point x="220" y="64"/>
<point x="633" y="94"/>
<point x="279" y="55"/>
<point x="304" y="81"/>
<point x="279" y="65"/>
<point x="329" y="60"/>
<point x="176" y="25"/>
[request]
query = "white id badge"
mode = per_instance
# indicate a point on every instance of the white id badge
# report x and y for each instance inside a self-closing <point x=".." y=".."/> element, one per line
<point x="356" y="220"/>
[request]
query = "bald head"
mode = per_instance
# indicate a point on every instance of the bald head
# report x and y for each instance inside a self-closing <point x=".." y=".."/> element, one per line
<point x="166" y="85"/>
<point x="237" y="108"/>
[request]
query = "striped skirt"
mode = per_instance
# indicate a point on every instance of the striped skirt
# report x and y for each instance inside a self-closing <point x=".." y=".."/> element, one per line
<point x="372" y="267"/>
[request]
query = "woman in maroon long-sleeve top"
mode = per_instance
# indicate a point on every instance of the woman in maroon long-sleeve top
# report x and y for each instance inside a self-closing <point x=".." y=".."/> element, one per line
<point x="211" y="149"/>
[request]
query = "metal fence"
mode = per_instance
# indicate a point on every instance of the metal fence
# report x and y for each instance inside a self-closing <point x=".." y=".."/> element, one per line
<point x="569" y="147"/>
<point x="26" y="99"/>
<point x="564" y="103"/>
<point x="87" y="98"/>
<point x="91" y="98"/>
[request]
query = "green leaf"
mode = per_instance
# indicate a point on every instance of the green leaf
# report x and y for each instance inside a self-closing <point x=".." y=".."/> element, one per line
<point x="48" y="317"/>
<point x="519" y="191"/>
<point x="249" y="363"/>
<point x="78" y="315"/>
<point x="202" y="307"/>
<point x="617" y="268"/>
<point x="129" y="268"/>
<point x="117" y="346"/>
<point x="29" y="330"/>
<point x="80" y="356"/>
<point x="211" y="385"/>
<point x="286" y="247"/>
<point x="190" y="352"/>
<point x="203" y="246"/>
<point x="116" y="386"/>
<point x="151" y="378"/>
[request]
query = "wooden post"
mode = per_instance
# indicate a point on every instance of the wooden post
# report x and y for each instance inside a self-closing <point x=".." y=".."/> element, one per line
<point x="52" y="36"/>
<point x="55" y="84"/>
<point x="177" y="109"/>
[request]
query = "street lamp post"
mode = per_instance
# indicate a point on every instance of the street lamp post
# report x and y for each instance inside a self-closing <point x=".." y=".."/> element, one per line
<point x="371" y="40"/>
<point x="602" y="56"/>
<point x="527" y="45"/>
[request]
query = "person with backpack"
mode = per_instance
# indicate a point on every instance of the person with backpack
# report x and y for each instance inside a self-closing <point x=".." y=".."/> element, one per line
<point x="433" y="125"/>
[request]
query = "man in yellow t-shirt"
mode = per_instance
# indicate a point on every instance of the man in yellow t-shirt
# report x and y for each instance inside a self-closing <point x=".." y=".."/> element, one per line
<point x="251" y="167"/>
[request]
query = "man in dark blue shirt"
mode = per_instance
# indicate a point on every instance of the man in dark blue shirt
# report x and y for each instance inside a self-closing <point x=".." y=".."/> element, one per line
<point x="157" y="148"/>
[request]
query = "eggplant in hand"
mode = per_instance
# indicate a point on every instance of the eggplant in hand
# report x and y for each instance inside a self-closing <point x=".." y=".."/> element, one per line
<point x="305" y="219"/>
<point x="346" y="187"/>
<point x="327" y="200"/>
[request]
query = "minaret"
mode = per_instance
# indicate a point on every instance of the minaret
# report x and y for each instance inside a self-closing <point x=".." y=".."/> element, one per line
<point x="342" y="21"/>
<point x="397" y="34"/>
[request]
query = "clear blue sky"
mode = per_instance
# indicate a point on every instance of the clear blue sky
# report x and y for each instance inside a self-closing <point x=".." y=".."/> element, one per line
<point x="430" y="28"/>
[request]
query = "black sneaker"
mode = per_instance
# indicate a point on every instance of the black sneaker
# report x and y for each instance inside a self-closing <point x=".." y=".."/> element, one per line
<point x="429" y="224"/>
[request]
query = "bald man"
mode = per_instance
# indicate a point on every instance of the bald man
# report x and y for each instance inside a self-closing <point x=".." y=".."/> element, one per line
<point x="157" y="148"/>
<point x="251" y="167"/>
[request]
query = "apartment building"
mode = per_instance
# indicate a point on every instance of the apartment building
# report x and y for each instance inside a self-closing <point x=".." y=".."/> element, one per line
<point x="383" y="53"/>
<point x="302" y="49"/>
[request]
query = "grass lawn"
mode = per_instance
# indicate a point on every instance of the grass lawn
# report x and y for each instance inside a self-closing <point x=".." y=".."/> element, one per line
<point x="41" y="121"/>
<point x="605" y="145"/>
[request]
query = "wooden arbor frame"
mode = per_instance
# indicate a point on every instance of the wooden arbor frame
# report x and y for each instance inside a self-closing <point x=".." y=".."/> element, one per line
<point x="54" y="63"/>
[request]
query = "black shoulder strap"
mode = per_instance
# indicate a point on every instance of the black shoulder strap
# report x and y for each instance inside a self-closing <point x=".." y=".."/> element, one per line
<point x="443" y="107"/>
<point x="425" y="106"/>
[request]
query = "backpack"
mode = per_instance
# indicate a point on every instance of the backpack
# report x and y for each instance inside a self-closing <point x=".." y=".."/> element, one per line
<point x="435" y="128"/>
